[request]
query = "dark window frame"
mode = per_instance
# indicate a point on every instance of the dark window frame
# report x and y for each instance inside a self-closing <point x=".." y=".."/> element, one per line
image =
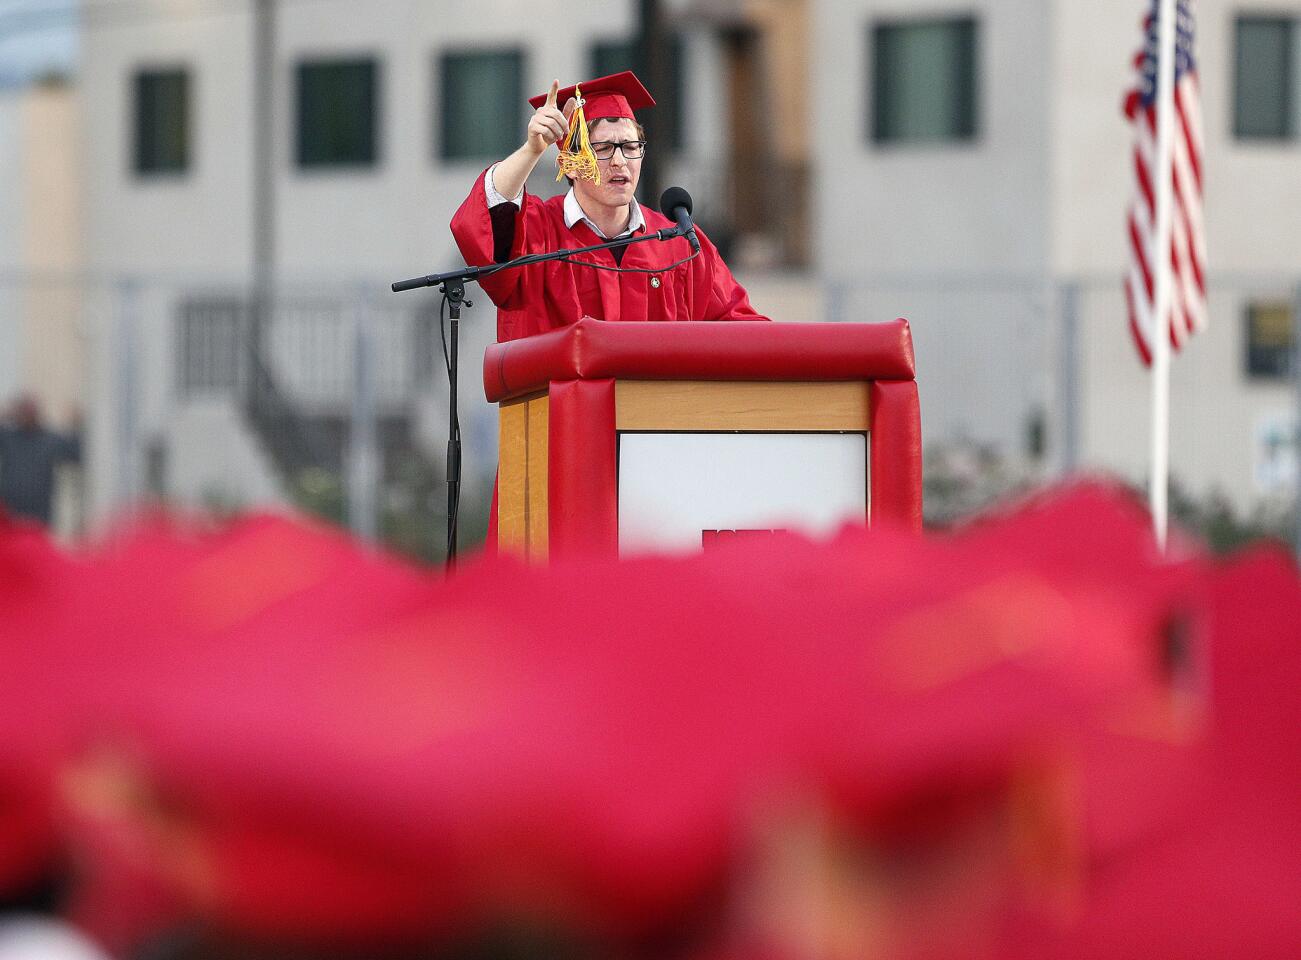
<point x="315" y="157"/>
<point x="971" y="91"/>
<point x="1289" y="81"/>
<point x="1267" y="363"/>
<point x="148" y="141"/>
<point x="513" y="134"/>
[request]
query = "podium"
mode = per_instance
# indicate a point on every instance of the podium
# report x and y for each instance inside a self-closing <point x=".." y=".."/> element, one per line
<point x="760" y="423"/>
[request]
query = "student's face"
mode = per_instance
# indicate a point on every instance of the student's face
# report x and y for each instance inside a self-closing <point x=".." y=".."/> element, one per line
<point x="619" y="175"/>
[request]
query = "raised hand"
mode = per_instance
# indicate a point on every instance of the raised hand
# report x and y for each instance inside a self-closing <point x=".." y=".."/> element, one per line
<point x="549" y="123"/>
<point x="547" y="126"/>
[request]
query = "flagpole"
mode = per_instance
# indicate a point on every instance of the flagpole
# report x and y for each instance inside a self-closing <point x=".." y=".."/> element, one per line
<point x="1160" y="477"/>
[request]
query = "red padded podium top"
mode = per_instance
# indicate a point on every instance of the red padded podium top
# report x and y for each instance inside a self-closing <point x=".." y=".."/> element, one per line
<point x="699" y="350"/>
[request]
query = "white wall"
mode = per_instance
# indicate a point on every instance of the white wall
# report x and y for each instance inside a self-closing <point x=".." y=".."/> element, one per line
<point x="196" y="222"/>
<point x="343" y="230"/>
<point x="952" y="236"/>
<point x="968" y="241"/>
<point x="12" y="202"/>
<point x="396" y="214"/>
<point x="966" y="207"/>
<point x="40" y="247"/>
<point x="53" y="360"/>
<point x="1253" y="188"/>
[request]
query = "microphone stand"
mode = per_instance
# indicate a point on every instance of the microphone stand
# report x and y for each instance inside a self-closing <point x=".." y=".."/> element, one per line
<point x="452" y="286"/>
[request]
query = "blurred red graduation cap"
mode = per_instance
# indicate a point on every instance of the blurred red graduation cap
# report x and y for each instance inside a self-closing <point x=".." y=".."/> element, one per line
<point x="356" y="749"/>
<point x="1218" y="878"/>
<point x="35" y="582"/>
<point x="165" y="600"/>
<point x="582" y="738"/>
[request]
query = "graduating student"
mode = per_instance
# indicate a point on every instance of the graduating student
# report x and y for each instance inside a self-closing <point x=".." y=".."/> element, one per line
<point x="601" y="151"/>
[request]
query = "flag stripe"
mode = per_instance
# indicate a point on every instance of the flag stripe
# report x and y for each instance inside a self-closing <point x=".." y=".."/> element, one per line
<point x="1140" y="259"/>
<point x="1134" y="328"/>
<point x="1144" y="183"/>
<point x="1183" y="209"/>
<point x="1190" y="147"/>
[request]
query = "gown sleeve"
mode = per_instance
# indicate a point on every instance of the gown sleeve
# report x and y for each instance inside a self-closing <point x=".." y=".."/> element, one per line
<point x="487" y="235"/>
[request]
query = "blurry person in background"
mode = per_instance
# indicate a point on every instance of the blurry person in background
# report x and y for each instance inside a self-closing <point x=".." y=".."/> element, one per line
<point x="647" y="281"/>
<point x="29" y="454"/>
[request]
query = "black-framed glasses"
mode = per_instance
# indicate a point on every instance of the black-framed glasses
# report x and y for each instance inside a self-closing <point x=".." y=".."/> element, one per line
<point x="631" y="149"/>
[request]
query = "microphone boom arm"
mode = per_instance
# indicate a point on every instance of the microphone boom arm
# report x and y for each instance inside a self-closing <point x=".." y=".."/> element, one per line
<point x="474" y="273"/>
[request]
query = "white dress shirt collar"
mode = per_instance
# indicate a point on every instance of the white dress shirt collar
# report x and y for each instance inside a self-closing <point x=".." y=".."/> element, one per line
<point x="574" y="213"/>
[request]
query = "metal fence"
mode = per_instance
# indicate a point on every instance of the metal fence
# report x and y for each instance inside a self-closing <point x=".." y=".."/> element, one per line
<point x="195" y="392"/>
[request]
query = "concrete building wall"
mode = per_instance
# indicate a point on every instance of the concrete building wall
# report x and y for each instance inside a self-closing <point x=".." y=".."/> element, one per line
<point x="53" y="362"/>
<point x="972" y="242"/>
<point x="148" y="238"/>
<point x="396" y="213"/>
<point x="1253" y="199"/>
<point x="385" y="219"/>
<point x="977" y="207"/>
<point x="345" y="225"/>
<point x="41" y="293"/>
<point x="197" y="222"/>
<point x="12" y="206"/>
<point x="40" y="248"/>
<point x="152" y="242"/>
<point x="953" y="236"/>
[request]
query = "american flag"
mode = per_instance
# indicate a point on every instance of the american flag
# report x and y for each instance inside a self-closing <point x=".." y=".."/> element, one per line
<point x="1187" y="233"/>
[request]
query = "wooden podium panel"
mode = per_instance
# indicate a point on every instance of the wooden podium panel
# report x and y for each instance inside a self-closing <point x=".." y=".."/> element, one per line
<point x="691" y="405"/>
<point x="522" y="477"/>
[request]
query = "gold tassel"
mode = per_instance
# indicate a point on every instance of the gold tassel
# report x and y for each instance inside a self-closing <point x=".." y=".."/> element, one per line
<point x="576" y="156"/>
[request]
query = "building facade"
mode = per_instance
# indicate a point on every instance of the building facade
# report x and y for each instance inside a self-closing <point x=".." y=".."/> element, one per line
<point x="252" y="176"/>
<point x="311" y="153"/>
<point x="978" y="184"/>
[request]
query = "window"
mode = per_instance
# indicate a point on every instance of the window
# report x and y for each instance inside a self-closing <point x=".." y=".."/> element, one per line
<point x="1269" y="340"/>
<point x="483" y="103"/>
<point x="924" y="81"/>
<point x="1265" y="78"/>
<point x="338" y="113"/>
<point x="615" y="56"/>
<point x="162" y="121"/>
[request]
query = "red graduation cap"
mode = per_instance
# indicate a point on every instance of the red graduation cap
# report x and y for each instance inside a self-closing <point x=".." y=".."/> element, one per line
<point x="617" y="95"/>
<point x="1217" y="876"/>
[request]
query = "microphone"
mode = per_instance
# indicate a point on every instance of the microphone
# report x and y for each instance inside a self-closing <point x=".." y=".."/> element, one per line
<point x="675" y="203"/>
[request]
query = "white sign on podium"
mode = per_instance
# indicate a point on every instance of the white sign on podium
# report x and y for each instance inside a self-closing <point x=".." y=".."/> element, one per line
<point x="675" y="486"/>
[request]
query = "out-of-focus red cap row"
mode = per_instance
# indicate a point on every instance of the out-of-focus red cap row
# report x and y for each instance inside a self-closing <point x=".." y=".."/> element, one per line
<point x="882" y="744"/>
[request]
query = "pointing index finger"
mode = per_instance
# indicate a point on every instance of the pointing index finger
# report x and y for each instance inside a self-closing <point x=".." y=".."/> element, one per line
<point x="555" y="89"/>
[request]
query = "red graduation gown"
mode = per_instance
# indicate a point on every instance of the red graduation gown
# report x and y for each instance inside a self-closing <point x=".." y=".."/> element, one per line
<point x="544" y="296"/>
